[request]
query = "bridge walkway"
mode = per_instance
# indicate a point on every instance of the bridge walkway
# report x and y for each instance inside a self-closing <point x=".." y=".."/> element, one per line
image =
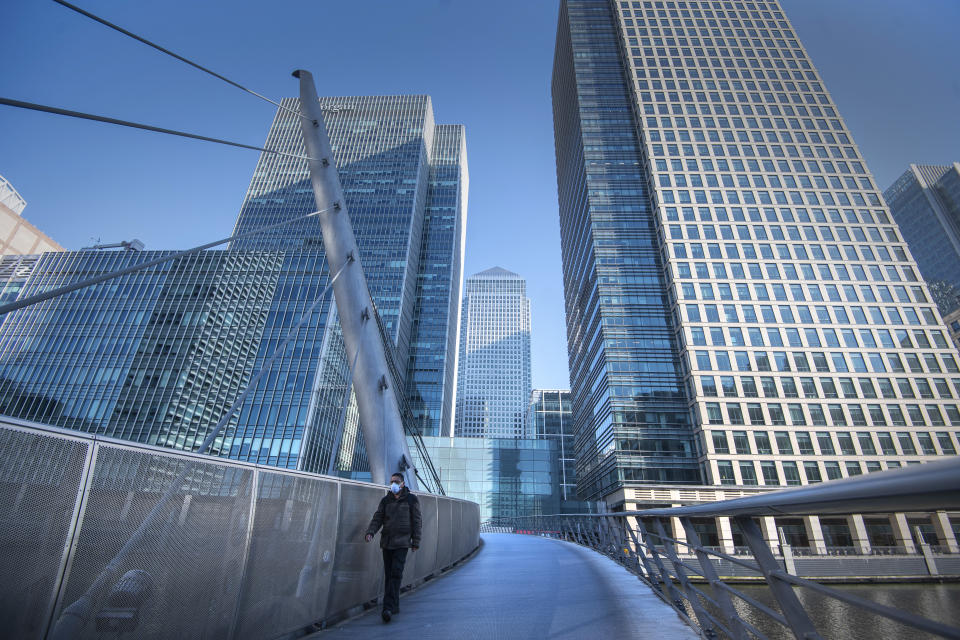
<point x="521" y="586"/>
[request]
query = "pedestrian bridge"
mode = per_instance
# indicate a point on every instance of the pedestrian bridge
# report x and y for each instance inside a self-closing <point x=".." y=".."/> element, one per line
<point x="519" y="586"/>
<point x="101" y="538"/>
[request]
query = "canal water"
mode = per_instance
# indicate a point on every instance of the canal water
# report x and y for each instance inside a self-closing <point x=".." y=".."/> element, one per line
<point x="837" y="620"/>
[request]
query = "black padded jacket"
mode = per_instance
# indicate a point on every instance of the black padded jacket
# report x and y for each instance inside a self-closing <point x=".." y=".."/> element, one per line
<point x="400" y="518"/>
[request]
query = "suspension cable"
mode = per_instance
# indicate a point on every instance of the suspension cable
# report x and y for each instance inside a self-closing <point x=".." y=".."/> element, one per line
<point x="174" y="55"/>
<point x="136" y="125"/>
<point x="54" y="293"/>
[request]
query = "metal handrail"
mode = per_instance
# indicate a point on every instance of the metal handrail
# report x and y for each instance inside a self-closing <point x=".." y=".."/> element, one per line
<point x="932" y="486"/>
<point x="655" y="556"/>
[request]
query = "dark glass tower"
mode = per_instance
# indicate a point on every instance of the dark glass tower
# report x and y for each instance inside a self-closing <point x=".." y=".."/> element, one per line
<point x="159" y="356"/>
<point x="630" y="406"/>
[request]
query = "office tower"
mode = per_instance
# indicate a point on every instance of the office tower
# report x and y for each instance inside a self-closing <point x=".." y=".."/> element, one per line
<point x="493" y="379"/>
<point x="405" y="179"/>
<point x="741" y="307"/>
<point x="925" y="203"/>
<point x="17" y="236"/>
<point x="160" y="355"/>
<point x="550" y="417"/>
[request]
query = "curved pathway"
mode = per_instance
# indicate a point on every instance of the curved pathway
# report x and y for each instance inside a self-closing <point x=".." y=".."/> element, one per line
<point x="525" y="587"/>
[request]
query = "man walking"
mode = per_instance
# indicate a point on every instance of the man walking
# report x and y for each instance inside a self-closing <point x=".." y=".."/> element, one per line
<point x="399" y="515"/>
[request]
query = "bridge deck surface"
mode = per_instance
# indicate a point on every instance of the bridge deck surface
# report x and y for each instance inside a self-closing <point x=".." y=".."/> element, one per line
<point x="521" y="586"/>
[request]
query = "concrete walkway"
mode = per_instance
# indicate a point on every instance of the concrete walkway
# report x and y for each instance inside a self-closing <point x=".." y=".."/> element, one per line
<point x="526" y="587"/>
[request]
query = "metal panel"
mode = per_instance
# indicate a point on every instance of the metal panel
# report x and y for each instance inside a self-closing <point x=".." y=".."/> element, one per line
<point x="426" y="557"/>
<point x="40" y="480"/>
<point x="444" y="531"/>
<point x="456" y="529"/>
<point x="191" y="556"/>
<point x="358" y="565"/>
<point x="475" y="525"/>
<point x="220" y="549"/>
<point x="290" y="563"/>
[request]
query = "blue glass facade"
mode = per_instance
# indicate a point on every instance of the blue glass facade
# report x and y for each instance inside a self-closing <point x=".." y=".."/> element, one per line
<point x="158" y="356"/>
<point x="550" y="417"/>
<point x="507" y="477"/>
<point x="630" y="405"/>
<point x="436" y="318"/>
<point x="925" y="202"/>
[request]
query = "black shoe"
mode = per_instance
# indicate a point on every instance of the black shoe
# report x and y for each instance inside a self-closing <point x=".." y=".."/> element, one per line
<point x="385" y="614"/>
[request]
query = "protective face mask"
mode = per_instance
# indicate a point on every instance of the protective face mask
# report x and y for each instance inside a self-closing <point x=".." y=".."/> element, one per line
<point x="394" y="487"/>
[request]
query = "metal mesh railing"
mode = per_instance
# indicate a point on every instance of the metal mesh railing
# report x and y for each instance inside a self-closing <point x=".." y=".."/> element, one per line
<point x="219" y="549"/>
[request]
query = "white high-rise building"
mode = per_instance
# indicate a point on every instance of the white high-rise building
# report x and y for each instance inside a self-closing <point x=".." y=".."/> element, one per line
<point x="493" y="385"/>
<point x="742" y="310"/>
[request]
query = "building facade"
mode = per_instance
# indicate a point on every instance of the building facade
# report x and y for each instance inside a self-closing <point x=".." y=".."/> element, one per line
<point x="493" y="379"/>
<point x="743" y="311"/>
<point x="507" y="477"/>
<point x="17" y="236"/>
<point x="925" y="202"/>
<point x="160" y="355"/>
<point x="550" y="417"/>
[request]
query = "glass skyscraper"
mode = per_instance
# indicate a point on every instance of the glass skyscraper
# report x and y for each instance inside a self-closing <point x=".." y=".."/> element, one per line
<point x="925" y="202"/>
<point x="493" y="378"/>
<point x="159" y="355"/>
<point x="742" y="309"/>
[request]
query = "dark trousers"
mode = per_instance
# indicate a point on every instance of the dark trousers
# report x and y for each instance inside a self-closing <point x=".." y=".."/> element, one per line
<point x="393" y="561"/>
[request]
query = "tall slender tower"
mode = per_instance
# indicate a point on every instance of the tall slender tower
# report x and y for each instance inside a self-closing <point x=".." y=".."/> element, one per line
<point x="741" y="307"/>
<point x="493" y="381"/>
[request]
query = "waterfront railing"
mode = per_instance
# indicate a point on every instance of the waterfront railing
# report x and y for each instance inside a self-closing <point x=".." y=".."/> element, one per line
<point x="103" y="538"/>
<point x="698" y="579"/>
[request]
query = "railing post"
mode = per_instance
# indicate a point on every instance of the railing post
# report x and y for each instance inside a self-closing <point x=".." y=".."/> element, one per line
<point x="621" y="536"/>
<point x="702" y="618"/>
<point x="665" y="578"/>
<point x="608" y="541"/>
<point x="617" y="538"/>
<point x="642" y="556"/>
<point x="737" y="629"/>
<point x="927" y="553"/>
<point x="593" y="531"/>
<point x="790" y="606"/>
<point x="581" y="534"/>
<point x="572" y="533"/>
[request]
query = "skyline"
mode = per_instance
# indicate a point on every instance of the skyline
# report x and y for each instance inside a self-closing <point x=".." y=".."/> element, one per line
<point x="501" y="93"/>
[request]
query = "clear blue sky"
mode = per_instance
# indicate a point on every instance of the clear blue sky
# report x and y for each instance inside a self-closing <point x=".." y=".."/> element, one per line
<point x="891" y="65"/>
